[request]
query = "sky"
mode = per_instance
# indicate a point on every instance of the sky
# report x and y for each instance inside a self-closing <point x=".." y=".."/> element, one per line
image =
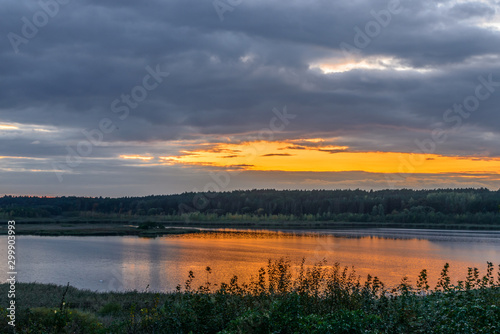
<point x="132" y="98"/>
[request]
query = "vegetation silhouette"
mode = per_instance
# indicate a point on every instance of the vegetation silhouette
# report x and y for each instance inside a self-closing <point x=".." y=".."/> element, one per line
<point x="318" y="299"/>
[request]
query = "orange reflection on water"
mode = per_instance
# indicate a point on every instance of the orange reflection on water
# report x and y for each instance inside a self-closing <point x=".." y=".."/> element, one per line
<point x="165" y="262"/>
<point x="131" y="263"/>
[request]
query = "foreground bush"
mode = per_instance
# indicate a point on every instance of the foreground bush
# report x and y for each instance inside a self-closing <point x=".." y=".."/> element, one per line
<point x="318" y="299"/>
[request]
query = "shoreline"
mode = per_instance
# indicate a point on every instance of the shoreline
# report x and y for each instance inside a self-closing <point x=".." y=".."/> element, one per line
<point x="311" y="303"/>
<point x="132" y="228"/>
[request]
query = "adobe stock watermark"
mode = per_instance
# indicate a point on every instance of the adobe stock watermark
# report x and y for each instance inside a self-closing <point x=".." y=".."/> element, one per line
<point x="372" y="29"/>
<point x="121" y="107"/>
<point x="325" y="246"/>
<point x="11" y="273"/>
<point x="221" y="180"/>
<point x="454" y="117"/>
<point x="223" y="6"/>
<point x="115" y="281"/>
<point x="30" y="27"/>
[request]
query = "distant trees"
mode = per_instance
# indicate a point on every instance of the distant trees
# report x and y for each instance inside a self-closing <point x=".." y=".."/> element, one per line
<point x="472" y="206"/>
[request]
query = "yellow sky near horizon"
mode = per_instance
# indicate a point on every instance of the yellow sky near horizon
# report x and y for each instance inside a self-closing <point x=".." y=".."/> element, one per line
<point x="315" y="157"/>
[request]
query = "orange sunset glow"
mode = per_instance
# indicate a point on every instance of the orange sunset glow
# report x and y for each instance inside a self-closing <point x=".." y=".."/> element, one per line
<point x="290" y="157"/>
<point x="324" y="95"/>
<point x="232" y="166"/>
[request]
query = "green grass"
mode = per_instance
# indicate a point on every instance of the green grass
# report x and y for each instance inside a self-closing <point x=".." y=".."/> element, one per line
<point x="319" y="299"/>
<point x="95" y="229"/>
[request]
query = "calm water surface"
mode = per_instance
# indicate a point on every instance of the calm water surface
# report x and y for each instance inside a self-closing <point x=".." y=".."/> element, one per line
<point x="128" y="263"/>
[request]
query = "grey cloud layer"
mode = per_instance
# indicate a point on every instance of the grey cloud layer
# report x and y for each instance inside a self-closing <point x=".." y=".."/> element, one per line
<point x="226" y="76"/>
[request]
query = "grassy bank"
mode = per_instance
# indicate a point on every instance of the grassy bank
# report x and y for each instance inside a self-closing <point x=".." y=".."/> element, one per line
<point x="118" y="227"/>
<point x="321" y="299"/>
<point x="97" y="229"/>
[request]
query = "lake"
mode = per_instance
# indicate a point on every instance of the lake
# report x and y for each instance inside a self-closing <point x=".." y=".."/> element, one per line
<point x="128" y="263"/>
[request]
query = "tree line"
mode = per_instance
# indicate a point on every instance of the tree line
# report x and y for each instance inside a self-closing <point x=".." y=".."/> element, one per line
<point x="402" y="205"/>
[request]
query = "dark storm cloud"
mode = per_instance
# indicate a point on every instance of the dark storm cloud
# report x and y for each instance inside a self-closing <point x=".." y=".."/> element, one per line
<point x="277" y="155"/>
<point x="225" y="77"/>
<point x="472" y="9"/>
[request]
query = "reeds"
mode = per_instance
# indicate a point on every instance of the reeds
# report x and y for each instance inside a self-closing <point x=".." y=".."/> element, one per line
<point x="280" y="298"/>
